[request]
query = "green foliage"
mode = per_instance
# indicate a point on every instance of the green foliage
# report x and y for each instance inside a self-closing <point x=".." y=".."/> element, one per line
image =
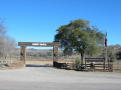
<point x="118" y="55"/>
<point x="77" y="63"/>
<point x="78" y="35"/>
<point x="111" y="54"/>
<point x="55" y="54"/>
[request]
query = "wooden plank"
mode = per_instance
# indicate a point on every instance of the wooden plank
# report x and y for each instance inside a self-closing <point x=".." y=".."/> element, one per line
<point x="42" y="44"/>
<point x="23" y="54"/>
<point x="95" y="59"/>
<point x="55" y="55"/>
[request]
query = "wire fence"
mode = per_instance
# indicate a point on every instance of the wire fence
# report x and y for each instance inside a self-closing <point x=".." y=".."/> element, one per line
<point x="9" y="60"/>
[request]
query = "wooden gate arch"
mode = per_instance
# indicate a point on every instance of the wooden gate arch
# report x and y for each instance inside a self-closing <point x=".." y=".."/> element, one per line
<point x="23" y="46"/>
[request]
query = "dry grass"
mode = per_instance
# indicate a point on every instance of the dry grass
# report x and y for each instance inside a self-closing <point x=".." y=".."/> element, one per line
<point x="16" y="63"/>
<point x="39" y="62"/>
<point x="117" y="66"/>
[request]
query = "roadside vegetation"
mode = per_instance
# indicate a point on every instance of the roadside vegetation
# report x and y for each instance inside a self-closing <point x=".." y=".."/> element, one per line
<point x="78" y="40"/>
<point x="87" y="40"/>
<point x="7" y="45"/>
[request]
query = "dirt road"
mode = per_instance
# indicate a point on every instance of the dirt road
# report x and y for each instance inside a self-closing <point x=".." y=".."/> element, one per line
<point x="48" y="78"/>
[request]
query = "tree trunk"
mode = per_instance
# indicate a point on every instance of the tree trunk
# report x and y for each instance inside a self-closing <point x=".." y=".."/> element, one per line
<point x="82" y="59"/>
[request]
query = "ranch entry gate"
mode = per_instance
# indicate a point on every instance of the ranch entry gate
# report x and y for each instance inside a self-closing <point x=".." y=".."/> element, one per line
<point x="23" y="46"/>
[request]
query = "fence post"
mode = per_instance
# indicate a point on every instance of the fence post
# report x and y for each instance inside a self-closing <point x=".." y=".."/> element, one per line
<point x="23" y="54"/>
<point x="55" y="55"/>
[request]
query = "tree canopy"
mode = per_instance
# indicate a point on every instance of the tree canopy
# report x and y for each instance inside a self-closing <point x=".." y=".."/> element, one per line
<point x="78" y="35"/>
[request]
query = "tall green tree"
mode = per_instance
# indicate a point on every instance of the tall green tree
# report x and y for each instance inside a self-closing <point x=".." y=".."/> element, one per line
<point x="78" y="35"/>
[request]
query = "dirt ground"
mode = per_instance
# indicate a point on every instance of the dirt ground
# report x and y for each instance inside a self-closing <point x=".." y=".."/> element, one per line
<point x="49" y="78"/>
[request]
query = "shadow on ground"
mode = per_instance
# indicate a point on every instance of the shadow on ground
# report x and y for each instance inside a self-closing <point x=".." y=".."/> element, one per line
<point x="32" y="65"/>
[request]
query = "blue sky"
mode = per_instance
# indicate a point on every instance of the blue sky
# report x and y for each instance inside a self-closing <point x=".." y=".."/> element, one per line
<point x="37" y="20"/>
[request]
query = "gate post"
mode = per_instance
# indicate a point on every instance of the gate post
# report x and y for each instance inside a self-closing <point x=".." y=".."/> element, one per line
<point x="23" y="54"/>
<point x="55" y="55"/>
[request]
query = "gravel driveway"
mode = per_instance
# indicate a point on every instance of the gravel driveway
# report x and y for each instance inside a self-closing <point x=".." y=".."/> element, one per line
<point x="48" y="78"/>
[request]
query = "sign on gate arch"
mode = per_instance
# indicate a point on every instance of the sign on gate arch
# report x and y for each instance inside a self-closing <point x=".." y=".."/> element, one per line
<point x="23" y="46"/>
